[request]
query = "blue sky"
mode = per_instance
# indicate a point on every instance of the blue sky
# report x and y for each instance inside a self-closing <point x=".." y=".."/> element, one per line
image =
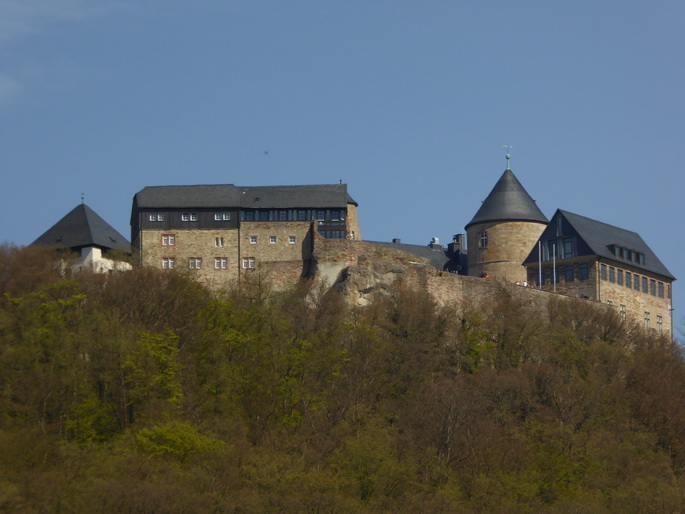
<point x="408" y="103"/>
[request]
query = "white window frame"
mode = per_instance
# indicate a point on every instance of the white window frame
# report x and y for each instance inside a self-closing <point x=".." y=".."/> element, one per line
<point x="219" y="242"/>
<point x="185" y="216"/>
<point x="273" y="240"/>
<point x="292" y="240"/>
<point x="195" y="263"/>
<point x="193" y="216"/>
<point x="253" y="240"/>
<point x="220" y="262"/>
<point x="168" y="240"/>
<point x="168" y="263"/>
<point x="248" y="262"/>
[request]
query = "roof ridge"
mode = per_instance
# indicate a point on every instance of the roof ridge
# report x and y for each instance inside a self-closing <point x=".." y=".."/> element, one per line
<point x="599" y="222"/>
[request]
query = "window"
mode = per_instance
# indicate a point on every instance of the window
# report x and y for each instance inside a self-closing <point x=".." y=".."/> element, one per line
<point x="628" y="281"/>
<point x="625" y="253"/>
<point x="568" y="273"/>
<point x="222" y="216"/>
<point x="272" y="240"/>
<point x="646" y="320"/>
<point x="301" y="215"/>
<point x="156" y="216"/>
<point x="253" y="240"/>
<point x="168" y="239"/>
<point x="168" y="263"/>
<point x="263" y="215"/>
<point x="641" y="259"/>
<point x="335" y="215"/>
<point x="652" y="287"/>
<point x="219" y="241"/>
<point x="283" y="215"/>
<point x="644" y="284"/>
<point x="583" y="272"/>
<point x="292" y="240"/>
<point x="603" y="271"/>
<point x="195" y="263"/>
<point x="248" y="262"/>
<point x="320" y="215"/>
<point x="483" y="239"/>
<point x="185" y="216"/>
<point x="612" y="274"/>
<point x="220" y="263"/>
<point x="193" y="216"/>
<point x="622" y="313"/>
<point x="619" y="277"/>
<point x="661" y="289"/>
<point x="249" y="215"/>
<point x="659" y="323"/>
<point x="555" y="275"/>
<point x="568" y="248"/>
<point x="333" y="234"/>
<point x="636" y="282"/>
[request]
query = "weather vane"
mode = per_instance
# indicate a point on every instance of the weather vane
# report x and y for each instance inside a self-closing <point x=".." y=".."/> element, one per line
<point x="508" y="156"/>
<point x="83" y="195"/>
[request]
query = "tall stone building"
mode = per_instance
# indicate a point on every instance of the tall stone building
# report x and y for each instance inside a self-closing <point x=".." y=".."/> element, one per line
<point x="219" y="232"/>
<point x="579" y="256"/>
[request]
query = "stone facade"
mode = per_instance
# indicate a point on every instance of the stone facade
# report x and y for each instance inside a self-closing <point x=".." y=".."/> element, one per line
<point x="353" y="232"/>
<point x="502" y="251"/>
<point x="650" y="307"/>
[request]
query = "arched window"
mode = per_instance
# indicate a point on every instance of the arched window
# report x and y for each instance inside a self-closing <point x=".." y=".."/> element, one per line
<point x="483" y="239"/>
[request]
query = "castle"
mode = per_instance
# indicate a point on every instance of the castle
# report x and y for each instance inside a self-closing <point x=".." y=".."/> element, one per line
<point x="221" y="232"/>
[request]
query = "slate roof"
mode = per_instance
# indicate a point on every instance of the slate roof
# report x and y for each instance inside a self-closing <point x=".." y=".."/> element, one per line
<point x="83" y="227"/>
<point x="508" y="201"/>
<point x="599" y="236"/>
<point x="229" y="195"/>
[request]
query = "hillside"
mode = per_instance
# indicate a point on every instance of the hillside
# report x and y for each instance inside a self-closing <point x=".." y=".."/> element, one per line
<point x="145" y="392"/>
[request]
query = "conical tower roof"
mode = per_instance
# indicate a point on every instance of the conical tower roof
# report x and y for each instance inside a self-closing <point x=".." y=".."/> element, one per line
<point x="80" y="228"/>
<point x="508" y="201"/>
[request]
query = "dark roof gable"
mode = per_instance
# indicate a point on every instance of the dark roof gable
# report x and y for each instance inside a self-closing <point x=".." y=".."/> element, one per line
<point x="597" y="238"/>
<point x="82" y="227"/>
<point x="508" y="201"/>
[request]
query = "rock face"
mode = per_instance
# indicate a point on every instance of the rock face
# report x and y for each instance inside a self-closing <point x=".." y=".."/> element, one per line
<point x="359" y="270"/>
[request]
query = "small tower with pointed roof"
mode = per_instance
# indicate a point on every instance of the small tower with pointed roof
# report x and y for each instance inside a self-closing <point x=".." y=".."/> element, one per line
<point x="82" y="230"/>
<point x="503" y="231"/>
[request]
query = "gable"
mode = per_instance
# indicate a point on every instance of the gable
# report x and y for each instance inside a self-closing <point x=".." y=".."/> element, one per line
<point x="594" y="238"/>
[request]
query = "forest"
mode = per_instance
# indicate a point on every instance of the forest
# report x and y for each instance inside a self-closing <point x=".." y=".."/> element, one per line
<point x="143" y="391"/>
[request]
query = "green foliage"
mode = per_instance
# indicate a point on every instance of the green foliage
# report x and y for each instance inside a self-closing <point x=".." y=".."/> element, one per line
<point x="110" y="384"/>
<point x="175" y="440"/>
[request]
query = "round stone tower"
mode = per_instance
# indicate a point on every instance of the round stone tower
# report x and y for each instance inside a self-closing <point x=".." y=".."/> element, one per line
<point x="504" y="231"/>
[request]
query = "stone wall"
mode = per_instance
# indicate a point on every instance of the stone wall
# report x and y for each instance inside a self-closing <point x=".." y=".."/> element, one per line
<point x="352" y="223"/>
<point x="509" y="243"/>
<point x="360" y="270"/>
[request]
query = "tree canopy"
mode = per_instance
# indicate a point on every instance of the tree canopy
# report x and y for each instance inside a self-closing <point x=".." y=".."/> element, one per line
<point x="143" y="391"/>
